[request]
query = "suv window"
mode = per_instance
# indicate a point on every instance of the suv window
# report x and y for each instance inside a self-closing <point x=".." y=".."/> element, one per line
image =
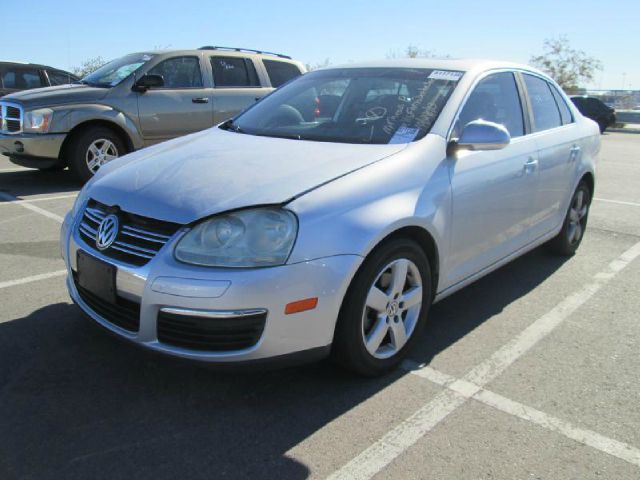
<point x="280" y="72"/>
<point x="565" y="112"/>
<point x="22" y="78"/>
<point x="179" y="72"/>
<point x="545" y="110"/>
<point x="494" y="99"/>
<point x="234" y="72"/>
<point x="59" y="78"/>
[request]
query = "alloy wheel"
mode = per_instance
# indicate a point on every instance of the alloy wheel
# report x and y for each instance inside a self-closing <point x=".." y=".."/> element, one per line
<point x="392" y="308"/>
<point x="577" y="217"/>
<point x="100" y="151"/>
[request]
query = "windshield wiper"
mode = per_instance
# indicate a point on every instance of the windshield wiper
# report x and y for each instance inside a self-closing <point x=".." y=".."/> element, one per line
<point x="230" y="125"/>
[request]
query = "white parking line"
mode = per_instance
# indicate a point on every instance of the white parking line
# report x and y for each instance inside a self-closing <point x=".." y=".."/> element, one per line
<point x="9" y="170"/>
<point x="14" y="201"/>
<point x="33" y="278"/>
<point x="619" y="202"/>
<point x="39" y="199"/>
<point x="380" y="454"/>
<point x="593" y="439"/>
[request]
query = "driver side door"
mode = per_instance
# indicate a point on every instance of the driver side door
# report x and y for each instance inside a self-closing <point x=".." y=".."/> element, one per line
<point x="492" y="190"/>
<point x="183" y="105"/>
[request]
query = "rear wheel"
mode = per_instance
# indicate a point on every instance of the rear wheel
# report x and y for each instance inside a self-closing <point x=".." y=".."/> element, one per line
<point x="93" y="148"/>
<point x="568" y="240"/>
<point x="384" y="309"/>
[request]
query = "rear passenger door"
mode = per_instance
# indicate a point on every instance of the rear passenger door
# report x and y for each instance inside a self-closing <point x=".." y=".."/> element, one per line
<point x="555" y="133"/>
<point x="236" y="85"/>
<point x="183" y="105"/>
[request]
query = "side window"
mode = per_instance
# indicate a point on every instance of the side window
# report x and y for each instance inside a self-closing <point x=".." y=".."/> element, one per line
<point x="545" y="111"/>
<point x="59" y="78"/>
<point x="234" y="72"/>
<point x="280" y="72"/>
<point x="179" y="72"/>
<point x="565" y="113"/>
<point x="22" y="78"/>
<point x="494" y="99"/>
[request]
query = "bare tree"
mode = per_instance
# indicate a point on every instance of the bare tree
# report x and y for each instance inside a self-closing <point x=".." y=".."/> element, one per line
<point x="414" y="52"/>
<point x="88" y="66"/>
<point x="567" y="66"/>
<point x="315" y="66"/>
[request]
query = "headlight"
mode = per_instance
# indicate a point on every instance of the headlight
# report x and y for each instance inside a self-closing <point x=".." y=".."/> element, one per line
<point x="38" y="121"/>
<point x="258" y="237"/>
<point x="81" y="199"/>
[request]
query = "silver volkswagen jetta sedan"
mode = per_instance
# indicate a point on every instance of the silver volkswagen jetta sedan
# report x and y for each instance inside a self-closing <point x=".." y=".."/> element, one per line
<point x="328" y="217"/>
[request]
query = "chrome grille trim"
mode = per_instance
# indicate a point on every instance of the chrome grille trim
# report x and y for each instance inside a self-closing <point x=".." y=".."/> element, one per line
<point x="11" y="117"/>
<point x="135" y="245"/>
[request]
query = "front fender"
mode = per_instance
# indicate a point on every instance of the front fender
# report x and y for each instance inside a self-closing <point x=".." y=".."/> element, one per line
<point x="354" y="213"/>
<point x="66" y="118"/>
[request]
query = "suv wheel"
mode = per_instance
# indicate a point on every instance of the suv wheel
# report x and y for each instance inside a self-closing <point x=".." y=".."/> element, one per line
<point x="93" y="148"/>
<point x="384" y="309"/>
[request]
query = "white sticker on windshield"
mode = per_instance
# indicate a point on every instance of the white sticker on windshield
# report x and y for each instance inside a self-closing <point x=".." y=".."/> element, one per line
<point x="404" y="135"/>
<point x="146" y="58"/>
<point x="445" y="75"/>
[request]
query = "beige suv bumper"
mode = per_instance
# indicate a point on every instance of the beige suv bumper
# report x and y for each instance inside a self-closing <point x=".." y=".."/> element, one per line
<point x="32" y="150"/>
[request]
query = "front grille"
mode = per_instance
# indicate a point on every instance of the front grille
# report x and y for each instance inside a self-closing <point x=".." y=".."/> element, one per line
<point x="124" y="313"/>
<point x="139" y="238"/>
<point x="210" y="334"/>
<point x="10" y="118"/>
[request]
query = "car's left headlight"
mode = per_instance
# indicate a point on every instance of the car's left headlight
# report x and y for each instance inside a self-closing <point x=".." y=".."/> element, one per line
<point x="259" y="237"/>
<point x="38" y="121"/>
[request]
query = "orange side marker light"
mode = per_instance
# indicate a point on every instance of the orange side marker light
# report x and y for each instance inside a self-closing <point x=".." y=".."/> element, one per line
<point x="301" y="305"/>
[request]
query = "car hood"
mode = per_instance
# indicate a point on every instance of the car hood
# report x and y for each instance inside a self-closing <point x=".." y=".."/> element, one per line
<point x="213" y="171"/>
<point x="61" y="94"/>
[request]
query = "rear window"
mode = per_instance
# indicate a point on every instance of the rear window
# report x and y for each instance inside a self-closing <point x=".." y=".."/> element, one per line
<point x="565" y="112"/>
<point x="234" y="72"/>
<point x="280" y="72"/>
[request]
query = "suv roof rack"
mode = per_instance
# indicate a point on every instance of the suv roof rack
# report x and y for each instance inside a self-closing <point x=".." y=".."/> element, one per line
<point x="235" y="49"/>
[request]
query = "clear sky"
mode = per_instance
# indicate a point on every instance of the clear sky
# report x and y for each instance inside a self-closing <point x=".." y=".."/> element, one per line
<point x="63" y="33"/>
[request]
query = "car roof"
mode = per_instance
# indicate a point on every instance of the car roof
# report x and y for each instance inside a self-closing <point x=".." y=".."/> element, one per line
<point x="461" y="64"/>
<point x="221" y="51"/>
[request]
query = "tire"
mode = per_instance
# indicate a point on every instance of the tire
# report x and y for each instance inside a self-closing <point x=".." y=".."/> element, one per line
<point x="358" y="321"/>
<point x="575" y="223"/>
<point x="92" y="148"/>
<point x="603" y="125"/>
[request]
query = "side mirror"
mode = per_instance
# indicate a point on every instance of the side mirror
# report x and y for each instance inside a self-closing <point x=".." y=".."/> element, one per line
<point x="148" y="81"/>
<point x="483" y="135"/>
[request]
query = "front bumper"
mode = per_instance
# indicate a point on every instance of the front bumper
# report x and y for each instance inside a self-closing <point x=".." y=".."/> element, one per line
<point x="32" y="150"/>
<point x="165" y="284"/>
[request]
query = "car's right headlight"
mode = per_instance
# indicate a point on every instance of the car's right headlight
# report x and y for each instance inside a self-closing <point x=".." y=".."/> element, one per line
<point x="259" y="237"/>
<point x="38" y="121"/>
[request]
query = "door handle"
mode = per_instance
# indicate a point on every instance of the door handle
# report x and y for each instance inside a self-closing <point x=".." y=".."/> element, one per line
<point x="574" y="152"/>
<point x="200" y="100"/>
<point x="530" y="165"/>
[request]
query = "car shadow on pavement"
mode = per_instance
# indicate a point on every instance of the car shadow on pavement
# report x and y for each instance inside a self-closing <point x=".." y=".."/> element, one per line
<point x="24" y="183"/>
<point x="77" y="403"/>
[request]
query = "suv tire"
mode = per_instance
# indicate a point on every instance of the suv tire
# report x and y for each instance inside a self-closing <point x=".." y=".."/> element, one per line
<point x="92" y="148"/>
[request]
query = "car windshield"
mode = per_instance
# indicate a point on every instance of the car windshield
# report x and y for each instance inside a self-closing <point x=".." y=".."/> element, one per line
<point x="116" y="71"/>
<point x="352" y="105"/>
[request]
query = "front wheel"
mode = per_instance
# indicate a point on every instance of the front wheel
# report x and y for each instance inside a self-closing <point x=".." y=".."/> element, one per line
<point x="568" y="240"/>
<point x="93" y="148"/>
<point x="384" y="309"/>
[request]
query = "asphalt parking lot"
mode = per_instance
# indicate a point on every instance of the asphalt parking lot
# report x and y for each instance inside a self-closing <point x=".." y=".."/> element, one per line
<point x="532" y="372"/>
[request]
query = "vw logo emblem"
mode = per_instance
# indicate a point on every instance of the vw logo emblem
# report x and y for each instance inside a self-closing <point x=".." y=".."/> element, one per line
<point x="107" y="232"/>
